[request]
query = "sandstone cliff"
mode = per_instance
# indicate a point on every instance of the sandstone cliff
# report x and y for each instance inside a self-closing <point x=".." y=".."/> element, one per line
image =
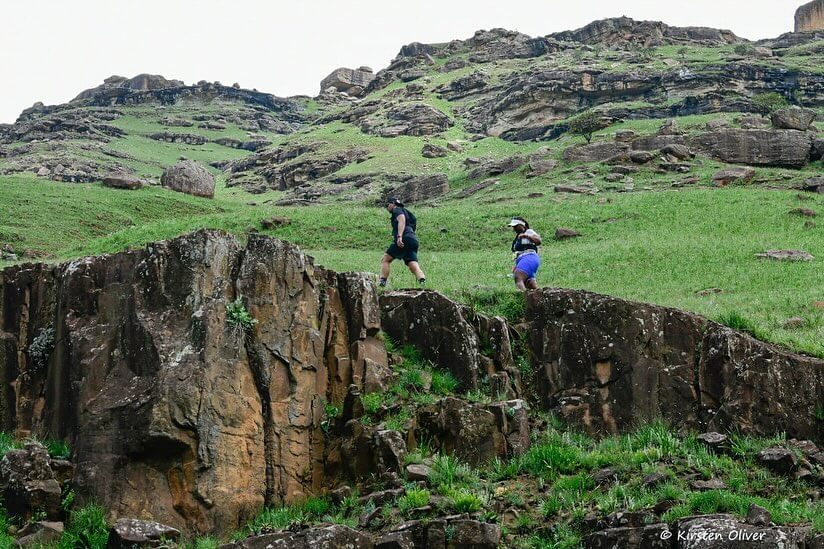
<point x="171" y="414"/>
<point x="810" y="17"/>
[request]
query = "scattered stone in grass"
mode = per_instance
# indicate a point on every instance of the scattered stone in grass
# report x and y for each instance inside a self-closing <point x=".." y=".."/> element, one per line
<point x="713" y="441"/>
<point x="733" y="175"/>
<point x="417" y="471"/>
<point x="758" y="516"/>
<point x="433" y="151"/>
<point x="663" y="506"/>
<point x="275" y="222"/>
<point x="341" y="494"/>
<point x="535" y="195"/>
<point x="613" y="177"/>
<point x="778" y="460"/>
<point x="794" y="323"/>
<point x="709" y="292"/>
<point x="803" y="212"/>
<point x="604" y="476"/>
<point x="632" y="519"/>
<point x="814" y="184"/>
<point x="786" y="255"/>
<point x="562" y="234"/>
<point x="818" y="304"/>
<point x="472" y="189"/>
<point x="575" y="189"/>
<point x="654" y="479"/>
<point x="369" y="517"/>
<point x="809" y="225"/>
<point x="711" y="484"/>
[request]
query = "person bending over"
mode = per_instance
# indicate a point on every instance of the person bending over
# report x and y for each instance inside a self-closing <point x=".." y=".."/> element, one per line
<point x="404" y="242"/>
<point x="527" y="260"/>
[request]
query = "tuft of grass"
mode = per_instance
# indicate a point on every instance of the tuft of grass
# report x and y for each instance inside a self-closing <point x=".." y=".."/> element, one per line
<point x="414" y="498"/>
<point x="737" y="321"/>
<point x="465" y="501"/>
<point x="372" y="402"/>
<point x="86" y="528"/>
<point x="449" y="472"/>
<point x="8" y="442"/>
<point x="238" y="318"/>
<point x="444" y="383"/>
<point x="58" y="449"/>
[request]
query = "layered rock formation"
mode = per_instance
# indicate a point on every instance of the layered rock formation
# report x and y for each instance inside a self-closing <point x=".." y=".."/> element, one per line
<point x="184" y="410"/>
<point x="350" y="81"/>
<point x="173" y="415"/>
<point x="810" y="17"/>
<point x="608" y="364"/>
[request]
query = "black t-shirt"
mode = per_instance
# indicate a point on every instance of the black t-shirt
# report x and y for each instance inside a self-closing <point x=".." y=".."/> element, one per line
<point x="407" y="231"/>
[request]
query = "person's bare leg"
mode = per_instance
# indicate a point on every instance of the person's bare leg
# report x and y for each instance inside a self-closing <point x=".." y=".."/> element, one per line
<point x="520" y="280"/>
<point x="386" y="262"/>
<point x="532" y="284"/>
<point x="416" y="270"/>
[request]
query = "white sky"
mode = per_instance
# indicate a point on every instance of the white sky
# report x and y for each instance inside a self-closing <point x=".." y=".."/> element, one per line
<point x="50" y="50"/>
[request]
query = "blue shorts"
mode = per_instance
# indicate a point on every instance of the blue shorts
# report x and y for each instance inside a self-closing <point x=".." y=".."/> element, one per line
<point x="528" y="264"/>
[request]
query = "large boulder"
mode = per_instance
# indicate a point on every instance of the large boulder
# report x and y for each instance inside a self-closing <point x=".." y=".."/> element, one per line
<point x="132" y="533"/>
<point x="784" y="148"/>
<point x="318" y="537"/>
<point x="176" y="408"/>
<point x="725" y="531"/>
<point x="30" y="482"/>
<point x="435" y="325"/>
<point x="451" y="533"/>
<point x="122" y="181"/>
<point x="493" y="167"/>
<point x="595" y="152"/>
<point x="450" y="335"/>
<point x="793" y="118"/>
<point x="416" y="119"/>
<point x="349" y="81"/>
<point x="419" y="189"/>
<point x="189" y="177"/>
<point x="810" y="17"/>
<point x="607" y="364"/>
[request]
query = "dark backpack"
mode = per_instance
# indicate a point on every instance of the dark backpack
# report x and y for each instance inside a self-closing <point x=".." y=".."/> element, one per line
<point x="411" y="220"/>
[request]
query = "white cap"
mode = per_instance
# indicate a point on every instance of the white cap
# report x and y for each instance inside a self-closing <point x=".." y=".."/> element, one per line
<point x="515" y="222"/>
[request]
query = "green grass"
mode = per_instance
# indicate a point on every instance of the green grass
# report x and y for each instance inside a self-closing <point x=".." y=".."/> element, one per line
<point x="86" y="528"/>
<point x="414" y="498"/>
<point x="659" y="247"/>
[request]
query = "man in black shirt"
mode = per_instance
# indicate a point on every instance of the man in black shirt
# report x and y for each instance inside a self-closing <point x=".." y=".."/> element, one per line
<point x="405" y="242"/>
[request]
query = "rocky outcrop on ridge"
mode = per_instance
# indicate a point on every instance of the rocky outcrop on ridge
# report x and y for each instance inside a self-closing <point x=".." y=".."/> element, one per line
<point x="810" y="17"/>
<point x="623" y="30"/>
<point x="350" y="81"/>
<point x="141" y="82"/>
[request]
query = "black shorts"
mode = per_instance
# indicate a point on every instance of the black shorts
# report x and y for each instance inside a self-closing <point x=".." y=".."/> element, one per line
<point x="408" y="253"/>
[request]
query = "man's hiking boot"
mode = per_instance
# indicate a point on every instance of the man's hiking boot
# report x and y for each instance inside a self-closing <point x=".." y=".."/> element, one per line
<point x="382" y="283"/>
<point x="422" y="282"/>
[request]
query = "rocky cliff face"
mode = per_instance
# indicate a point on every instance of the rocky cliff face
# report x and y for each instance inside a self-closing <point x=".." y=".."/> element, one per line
<point x="171" y="413"/>
<point x="810" y="17"/>
<point x="178" y="410"/>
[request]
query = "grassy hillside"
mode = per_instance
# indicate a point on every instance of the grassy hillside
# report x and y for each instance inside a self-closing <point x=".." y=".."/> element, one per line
<point x="662" y="247"/>
<point x="668" y="239"/>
